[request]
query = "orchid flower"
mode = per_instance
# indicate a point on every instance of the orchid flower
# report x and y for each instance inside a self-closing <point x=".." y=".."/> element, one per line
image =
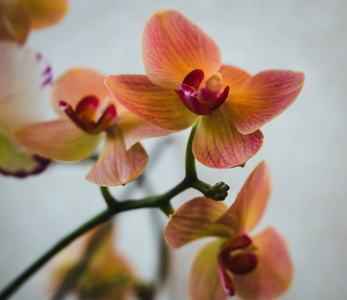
<point x="25" y="84"/>
<point x="185" y="81"/>
<point x="18" y="17"/>
<point x="254" y="268"/>
<point x="92" y="268"/>
<point x="88" y="113"/>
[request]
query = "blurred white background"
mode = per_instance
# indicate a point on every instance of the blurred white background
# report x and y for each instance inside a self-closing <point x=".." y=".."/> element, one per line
<point x="305" y="147"/>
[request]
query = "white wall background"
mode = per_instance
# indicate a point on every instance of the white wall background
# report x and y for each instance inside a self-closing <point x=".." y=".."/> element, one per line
<point x="305" y="147"/>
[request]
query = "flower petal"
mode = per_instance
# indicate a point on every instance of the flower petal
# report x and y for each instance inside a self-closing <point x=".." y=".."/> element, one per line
<point x="150" y="102"/>
<point x="246" y="211"/>
<point x="263" y="97"/>
<point x="218" y="144"/>
<point x="273" y="273"/>
<point x="134" y="129"/>
<point x="194" y="220"/>
<point x="25" y="84"/>
<point x="116" y="165"/>
<point x="14" y="21"/>
<point x="173" y="46"/>
<point x="59" y="140"/>
<point x="233" y="77"/>
<point x="76" y="84"/>
<point x="204" y="281"/>
<point x="45" y="13"/>
<point x="18" y="163"/>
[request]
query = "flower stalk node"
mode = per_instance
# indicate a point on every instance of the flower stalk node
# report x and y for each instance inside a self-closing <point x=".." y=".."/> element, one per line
<point x="218" y="192"/>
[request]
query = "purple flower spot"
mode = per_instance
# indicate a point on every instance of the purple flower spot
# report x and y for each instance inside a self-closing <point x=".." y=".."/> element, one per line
<point x="47" y="81"/>
<point x="38" y="56"/>
<point x="47" y="71"/>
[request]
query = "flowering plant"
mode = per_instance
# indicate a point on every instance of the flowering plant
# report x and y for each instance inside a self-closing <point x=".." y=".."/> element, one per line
<point x="185" y="85"/>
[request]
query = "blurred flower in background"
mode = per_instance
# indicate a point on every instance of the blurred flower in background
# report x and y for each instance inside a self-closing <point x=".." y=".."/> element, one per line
<point x="25" y="83"/>
<point x="19" y="17"/>
<point x="91" y="269"/>
<point x="88" y="114"/>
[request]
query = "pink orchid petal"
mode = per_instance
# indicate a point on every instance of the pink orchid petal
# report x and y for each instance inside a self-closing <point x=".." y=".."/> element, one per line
<point x="173" y="46"/>
<point x="76" y="84"/>
<point x="205" y="282"/>
<point x="58" y="140"/>
<point x="233" y="77"/>
<point x="45" y="13"/>
<point x="25" y="84"/>
<point x="14" y="21"/>
<point x="18" y="163"/>
<point x="263" y="97"/>
<point x="135" y="129"/>
<point x="273" y="273"/>
<point x="194" y="220"/>
<point x="218" y="144"/>
<point x="250" y="203"/>
<point x="150" y="102"/>
<point x="116" y="165"/>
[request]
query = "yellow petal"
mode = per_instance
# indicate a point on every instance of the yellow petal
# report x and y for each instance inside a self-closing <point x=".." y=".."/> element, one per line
<point x="204" y="281"/>
<point x="58" y="140"/>
<point x="18" y="163"/>
<point x="218" y="144"/>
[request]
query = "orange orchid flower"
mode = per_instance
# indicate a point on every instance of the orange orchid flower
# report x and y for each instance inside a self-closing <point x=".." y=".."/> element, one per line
<point x="185" y="81"/>
<point x="88" y="114"/>
<point x="18" y="17"/>
<point x="254" y="268"/>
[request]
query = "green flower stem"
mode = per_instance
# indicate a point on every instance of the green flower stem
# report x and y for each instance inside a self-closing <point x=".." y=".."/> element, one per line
<point x="110" y="201"/>
<point x="190" y="159"/>
<point x="159" y="201"/>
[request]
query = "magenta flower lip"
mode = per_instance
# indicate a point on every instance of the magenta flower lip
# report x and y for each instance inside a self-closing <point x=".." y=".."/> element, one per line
<point x="88" y="115"/>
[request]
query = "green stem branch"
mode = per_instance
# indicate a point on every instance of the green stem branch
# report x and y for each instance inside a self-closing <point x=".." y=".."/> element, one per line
<point x="190" y="159"/>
